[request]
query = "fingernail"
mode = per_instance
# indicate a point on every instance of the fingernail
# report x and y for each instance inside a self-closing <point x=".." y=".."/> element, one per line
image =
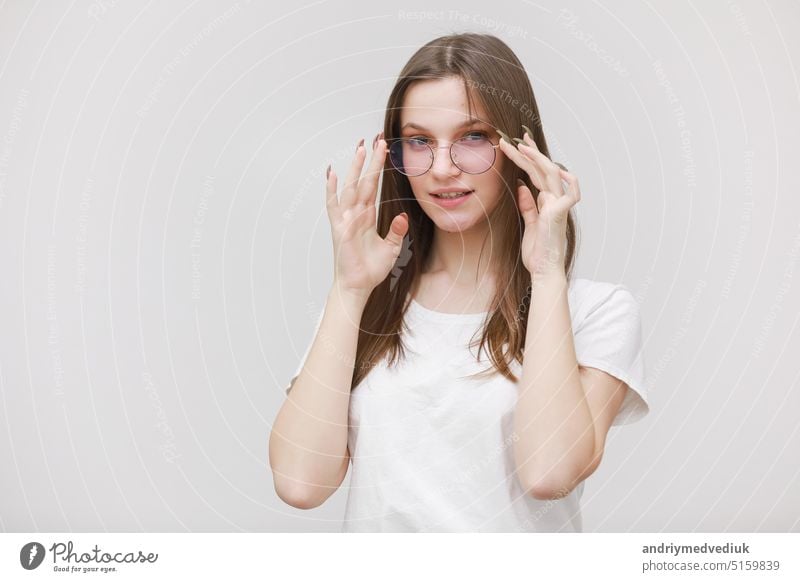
<point x="328" y="172"/>
<point x="520" y="182"/>
<point x="528" y="131"/>
<point x="504" y="136"/>
<point x="375" y="141"/>
<point x="360" y="144"/>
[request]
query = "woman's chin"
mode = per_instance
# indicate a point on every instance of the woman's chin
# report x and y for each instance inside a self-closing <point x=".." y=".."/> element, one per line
<point x="456" y="221"/>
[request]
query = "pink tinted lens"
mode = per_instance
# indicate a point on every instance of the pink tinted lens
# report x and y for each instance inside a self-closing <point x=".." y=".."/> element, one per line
<point x="473" y="155"/>
<point x="411" y="157"/>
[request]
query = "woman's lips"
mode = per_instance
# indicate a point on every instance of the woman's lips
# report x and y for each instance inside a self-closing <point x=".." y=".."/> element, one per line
<point x="451" y="202"/>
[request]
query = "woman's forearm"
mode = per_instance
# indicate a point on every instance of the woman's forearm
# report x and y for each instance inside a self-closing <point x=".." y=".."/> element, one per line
<point x="552" y="418"/>
<point x="308" y="442"/>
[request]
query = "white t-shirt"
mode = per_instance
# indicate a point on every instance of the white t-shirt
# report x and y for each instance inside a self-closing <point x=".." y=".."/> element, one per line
<point x="432" y="450"/>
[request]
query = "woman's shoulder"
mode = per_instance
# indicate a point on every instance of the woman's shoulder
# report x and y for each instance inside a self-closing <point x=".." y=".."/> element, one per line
<point x="587" y="294"/>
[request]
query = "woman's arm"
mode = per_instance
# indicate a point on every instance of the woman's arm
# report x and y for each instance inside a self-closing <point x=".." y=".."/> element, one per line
<point x="552" y="417"/>
<point x="308" y="442"/>
<point x="563" y="411"/>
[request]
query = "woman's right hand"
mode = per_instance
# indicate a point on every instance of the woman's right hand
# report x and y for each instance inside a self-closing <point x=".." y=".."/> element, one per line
<point x="362" y="259"/>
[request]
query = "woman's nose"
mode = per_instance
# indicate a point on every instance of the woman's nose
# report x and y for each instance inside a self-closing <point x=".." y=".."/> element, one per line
<point x="443" y="166"/>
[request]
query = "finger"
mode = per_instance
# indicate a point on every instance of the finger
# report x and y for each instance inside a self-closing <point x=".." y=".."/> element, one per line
<point x="526" y="203"/>
<point x="397" y="230"/>
<point x="350" y="185"/>
<point x="574" y="189"/>
<point x="547" y="169"/>
<point x="331" y="200"/>
<point x="524" y="162"/>
<point x="527" y="136"/>
<point x="556" y="207"/>
<point x="368" y="186"/>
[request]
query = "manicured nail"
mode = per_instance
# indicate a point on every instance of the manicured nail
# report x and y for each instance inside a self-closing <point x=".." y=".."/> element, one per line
<point x="360" y="143"/>
<point x="528" y="131"/>
<point x="375" y="141"/>
<point x="328" y="172"/>
<point x="504" y="136"/>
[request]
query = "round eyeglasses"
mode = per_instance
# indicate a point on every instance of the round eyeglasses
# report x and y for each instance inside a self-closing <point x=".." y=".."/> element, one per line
<point x="413" y="156"/>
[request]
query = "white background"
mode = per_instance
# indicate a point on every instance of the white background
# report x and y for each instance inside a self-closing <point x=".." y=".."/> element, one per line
<point x="164" y="248"/>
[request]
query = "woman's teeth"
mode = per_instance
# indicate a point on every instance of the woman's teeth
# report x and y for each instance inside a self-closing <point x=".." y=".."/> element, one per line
<point x="452" y="194"/>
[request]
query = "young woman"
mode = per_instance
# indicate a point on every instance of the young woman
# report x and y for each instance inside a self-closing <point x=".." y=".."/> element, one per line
<point x="470" y="379"/>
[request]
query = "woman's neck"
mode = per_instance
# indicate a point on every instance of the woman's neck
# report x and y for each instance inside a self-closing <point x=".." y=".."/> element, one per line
<point x="464" y="258"/>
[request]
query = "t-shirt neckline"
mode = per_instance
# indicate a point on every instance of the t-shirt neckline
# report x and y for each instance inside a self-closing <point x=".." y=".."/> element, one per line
<point x="414" y="305"/>
<point x="442" y="316"/>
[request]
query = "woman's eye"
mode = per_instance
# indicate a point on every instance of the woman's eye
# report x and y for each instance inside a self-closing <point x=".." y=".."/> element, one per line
<point x="419" y="140"/>
<point x="474" y="135"/>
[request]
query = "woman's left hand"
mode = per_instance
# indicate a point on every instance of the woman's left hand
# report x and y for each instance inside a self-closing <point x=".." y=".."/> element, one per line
<point x="544" y="240"/>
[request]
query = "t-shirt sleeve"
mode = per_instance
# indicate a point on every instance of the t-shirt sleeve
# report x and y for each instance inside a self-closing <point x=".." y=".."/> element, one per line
<point x="610" y="338"/>
<point x="309" y="343"/>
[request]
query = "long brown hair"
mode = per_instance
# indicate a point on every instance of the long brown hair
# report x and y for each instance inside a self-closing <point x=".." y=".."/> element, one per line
<point x="491" y="73"/>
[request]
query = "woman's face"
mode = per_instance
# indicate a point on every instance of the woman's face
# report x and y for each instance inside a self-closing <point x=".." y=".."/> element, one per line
<point x="437" y="110"/>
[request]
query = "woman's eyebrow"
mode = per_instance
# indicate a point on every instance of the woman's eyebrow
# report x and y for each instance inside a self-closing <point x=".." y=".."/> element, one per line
<point x="467" y="123"/>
